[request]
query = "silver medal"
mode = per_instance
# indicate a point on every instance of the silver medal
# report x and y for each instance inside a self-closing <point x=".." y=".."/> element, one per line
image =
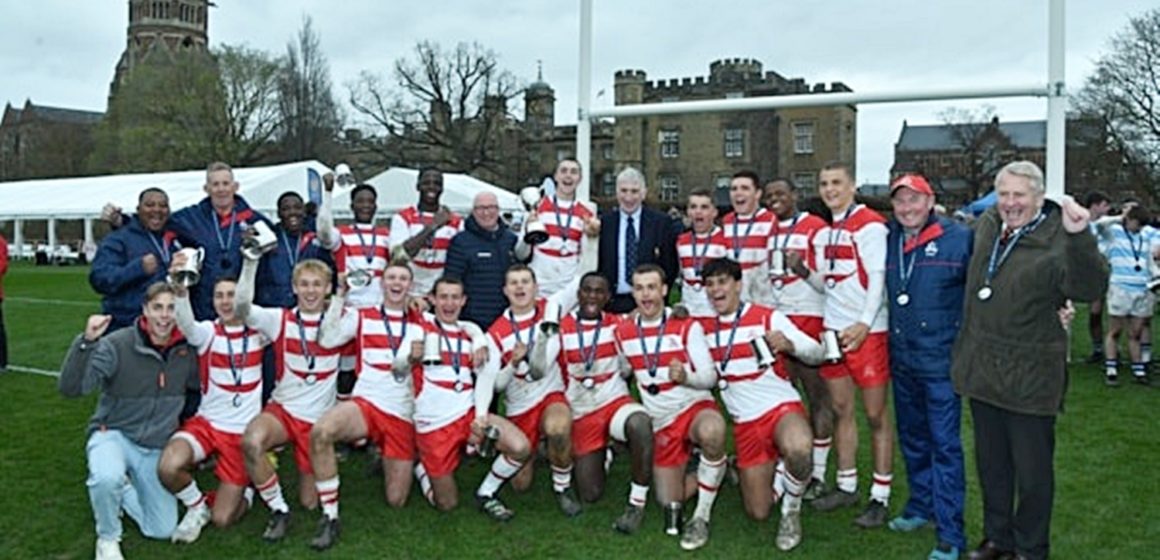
<point x="588" y="383"/>
<point x="311" y="379"/>
<point x="237" y="400"/>
<point x="985" y="293"/>
<point x="458" y="386"/>
<point x="778" y="284"/>
<point x="830" y="283"/>
<point x="903" y="299"/>
<point x="722" y="384"/>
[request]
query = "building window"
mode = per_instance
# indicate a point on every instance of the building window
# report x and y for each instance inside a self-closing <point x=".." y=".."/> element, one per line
<point x="670" y="141"/>
<point x="534" y="155"/>
<point x="723" y="183"/>
<point x="803" y="138"/>
<point x="606" y="151"/>
<point x="805" y="181"/>
<point x="608" y="184"/>
<point x="735" y="95"/>
<point x="734" y="142"/>
<point x="563" y="154"/>
<point x="670" y="188"/>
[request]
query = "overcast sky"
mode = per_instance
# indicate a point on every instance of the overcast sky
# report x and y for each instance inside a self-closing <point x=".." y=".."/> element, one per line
<point x="63" y="52"/>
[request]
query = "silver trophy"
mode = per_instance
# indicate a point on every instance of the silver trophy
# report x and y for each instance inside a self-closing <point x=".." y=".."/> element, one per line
<point x="534" y="230"/>
<point x="762" y="352"/>
<point x="343" y="177"/>
<point x="190" y="272"/>
<point x="490" y="438"/>
<point x="1154" y="285"/>
<point x="777" y="263"/>
<point x="833" y="349"/>
<point x="359" y="278"/>
<point x="550" y="324"/>
<point x="262" y="240"/>
<point x="431" y="354"/>
<point x="674" y="518"/>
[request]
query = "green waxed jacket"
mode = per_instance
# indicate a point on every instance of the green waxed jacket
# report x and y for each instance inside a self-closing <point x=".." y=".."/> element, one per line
<point x="1012" y="350"/>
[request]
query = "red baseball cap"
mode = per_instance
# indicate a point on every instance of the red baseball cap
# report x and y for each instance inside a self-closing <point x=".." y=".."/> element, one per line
<point x="913" y="182"/>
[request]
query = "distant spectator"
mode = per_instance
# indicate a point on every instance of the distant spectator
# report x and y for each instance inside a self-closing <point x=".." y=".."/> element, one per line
<point x="3" y="332"/>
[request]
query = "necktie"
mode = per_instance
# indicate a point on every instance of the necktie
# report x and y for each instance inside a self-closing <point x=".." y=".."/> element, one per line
<point x="629" y="250"/>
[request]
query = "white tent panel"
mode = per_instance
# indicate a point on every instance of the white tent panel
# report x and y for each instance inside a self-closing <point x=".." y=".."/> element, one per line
<point x="396" y="190"/>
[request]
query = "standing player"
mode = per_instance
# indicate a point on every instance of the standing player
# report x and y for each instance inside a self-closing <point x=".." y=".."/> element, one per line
<point x="601" y="406"/>
<point x="230" y="356"/>
<point x="557" y="260"/>
<point x="382" y="403"/>
<point x="747" y="229"/>
<point x="304" y="386"/>
<point x="850" y="260"/>
<point x="670" y="360"/>
<point x="793" y="235"/>
<point x="423" y="232"/>
<point x="1130" y="303"/>
<point x="533" y="399"/>
<point x="768" y="418"/>
<point x="447" y="411"/>
<point x="697" y="247"/>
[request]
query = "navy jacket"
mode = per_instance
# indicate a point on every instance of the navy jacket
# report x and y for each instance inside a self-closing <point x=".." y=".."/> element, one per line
<point x="657" y="244"/>
<point x="481" y="258"/>
<point x="923" y="331"/>
<point x="199" y="226"/>
<point x="275" y="271"/>
<point x="117" y="273"/>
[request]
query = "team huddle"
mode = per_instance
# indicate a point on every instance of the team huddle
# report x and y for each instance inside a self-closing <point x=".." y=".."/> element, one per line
<point x="343" y="334"/>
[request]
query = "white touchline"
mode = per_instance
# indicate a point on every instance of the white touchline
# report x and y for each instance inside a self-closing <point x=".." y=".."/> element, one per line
<point x="37" y="371"/>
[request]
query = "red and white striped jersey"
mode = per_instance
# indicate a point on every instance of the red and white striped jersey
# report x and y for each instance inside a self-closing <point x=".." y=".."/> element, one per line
<point x="230" y="363"/>
<point x="364" y="247"/>
<point x="847" y="253"/>
<point x="444" y="392"/>
<point x="523" y="392"/>
<point x="557" y="260"/>
<point x="382" y="335"/>
<point x="305" y="371"/>
<point x="589" y="355"/>
<point x="693" y="252"/>
<point x="748" y="390"/>
<point x="427" y="265"/>
<point x="792" y="295"/>
<point x="649" y="347"/>
<point x="747" y="241"/>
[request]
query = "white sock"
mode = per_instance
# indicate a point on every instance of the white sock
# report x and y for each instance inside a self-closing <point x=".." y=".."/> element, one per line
<point x="779" y="475"/>
<point x="424" y="483"/>
<point x="709" y="476"/>
<point x="248" y="496"/>
<point x="561" y="478"/>
<point x="191" y="496"/>
<point x="821" y="456"/>
<point x="502" y="469"/>
<point x="638" y="495"/>
<point x="848" y="480"/>
<point x="880" y="490"/>
<point x="792" y="502"/>
<point x="271" y="492"/>
<point x="608" y="455"/>
<point x="1145" y="352"/>
<point x="328" y="496"/>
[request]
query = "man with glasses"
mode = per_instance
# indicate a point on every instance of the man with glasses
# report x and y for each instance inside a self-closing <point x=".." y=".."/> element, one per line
<point x="479" y="256"/>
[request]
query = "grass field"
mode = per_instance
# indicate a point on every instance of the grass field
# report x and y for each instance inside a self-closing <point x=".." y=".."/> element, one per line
<point x="1105" y="505"/>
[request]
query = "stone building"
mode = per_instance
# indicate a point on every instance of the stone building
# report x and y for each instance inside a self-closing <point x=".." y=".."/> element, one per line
<point x="158" y="30"/>
<point x="37" y="141"/>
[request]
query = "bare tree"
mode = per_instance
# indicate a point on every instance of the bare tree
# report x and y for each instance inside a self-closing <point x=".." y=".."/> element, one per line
<point x="310" y="117"/>
<point x="1124" y="90"/>
<point x="445" y="108"/>
<point x="250" y="81"/>
<point x="976" y="137"/>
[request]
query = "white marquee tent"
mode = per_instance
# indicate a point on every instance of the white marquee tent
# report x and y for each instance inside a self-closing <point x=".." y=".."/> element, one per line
<point x="81" y="198"/>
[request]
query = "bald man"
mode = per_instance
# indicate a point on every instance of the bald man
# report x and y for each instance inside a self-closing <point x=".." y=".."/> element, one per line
<point x="479" y="256"/>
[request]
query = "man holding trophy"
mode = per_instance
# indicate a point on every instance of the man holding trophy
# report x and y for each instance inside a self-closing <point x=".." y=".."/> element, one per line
<point x="555" y="228"/>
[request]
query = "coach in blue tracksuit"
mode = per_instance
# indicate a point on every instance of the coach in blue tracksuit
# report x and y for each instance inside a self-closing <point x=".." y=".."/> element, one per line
<point x="926" y="268"/>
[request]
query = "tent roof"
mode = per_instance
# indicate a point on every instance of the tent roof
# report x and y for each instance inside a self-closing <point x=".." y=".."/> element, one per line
<point x="83" y="197"/>
<point x="396" y="191"/>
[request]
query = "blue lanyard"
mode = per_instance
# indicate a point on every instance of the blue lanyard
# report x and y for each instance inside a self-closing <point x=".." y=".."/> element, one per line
<point x="589" y="356"/>
<point x="531" y="329"/>
<point x="905" y="269"/>
<point x="215" y="225"/>
<point x="997" y="260"/>
<point x="393" y="342"/>
<point x="653" y="361"/>
<point x="1135" y="251"/>
<point x="737" y="242"/>
<point x="833" y="240"/>
<point x="777" y="231"/>
<point x="699" y="260"/>
<point x="292" y="254"/>
<point x="458" y="354"/>
<point x="732" y="333"/>
<point x="566" y="227"/>
<point x="368" y="255"/>
<point x="230" y="352"/>
<point x="162" y="248"/>
<point x="302" y="338"/>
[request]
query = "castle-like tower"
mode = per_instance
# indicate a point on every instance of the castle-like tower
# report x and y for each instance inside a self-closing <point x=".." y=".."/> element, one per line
<point x="158" y="30"/>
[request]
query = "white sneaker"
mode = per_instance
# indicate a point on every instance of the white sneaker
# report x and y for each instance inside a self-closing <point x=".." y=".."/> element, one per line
<point x="190" y="527"/>
<point x="108" y="550"/>
<point x="789" y="531"/>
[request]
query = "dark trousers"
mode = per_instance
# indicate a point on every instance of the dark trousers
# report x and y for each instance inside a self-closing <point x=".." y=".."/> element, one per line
<point x="621" y="303"/>
<point x="1014" y="454"/>
<point x="3" y="339"/>
<point x="928" y="413"/>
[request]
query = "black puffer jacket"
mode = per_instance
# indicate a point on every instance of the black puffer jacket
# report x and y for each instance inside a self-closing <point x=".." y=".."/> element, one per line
<point x="480" y="258"/>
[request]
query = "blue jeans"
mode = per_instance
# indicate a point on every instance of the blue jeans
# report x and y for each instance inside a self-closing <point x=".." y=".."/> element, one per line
<point x="123" y="476"/>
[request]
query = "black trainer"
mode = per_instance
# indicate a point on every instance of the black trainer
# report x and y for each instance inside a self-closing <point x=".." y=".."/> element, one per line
<point x="568" y="503"/>
<point x="1112" y="380"/>
<point x="494" y="508"/>
<point x="835" y="499"/>
<point x="327" y="535"/>
<point x="874" y="515"/>
<point x="277" y="526"/>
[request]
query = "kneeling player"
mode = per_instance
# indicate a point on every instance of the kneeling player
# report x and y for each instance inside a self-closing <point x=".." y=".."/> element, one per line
<point x="768" y="417"/>
<point x="674" y="371"/>
<point x="304" y="389"/>
<point x="230" y="355"/>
